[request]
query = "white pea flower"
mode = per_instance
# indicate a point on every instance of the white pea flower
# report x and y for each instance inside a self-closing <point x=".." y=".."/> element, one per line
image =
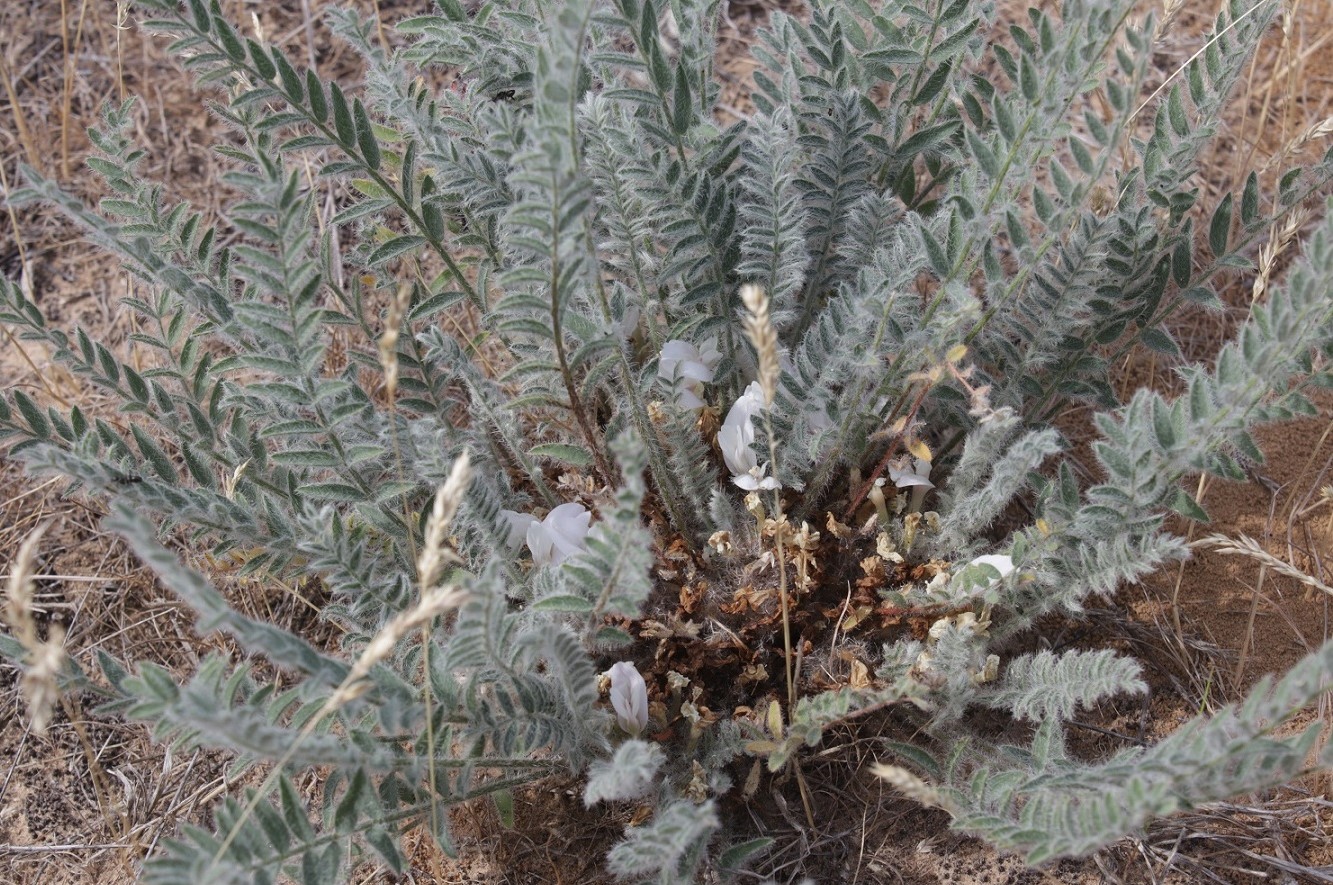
<point x="518" y="526"/>
<point x="916" y="473"/>
<point x="554" y="539"/>
<point x="964" y="623"/>
<point x="1001" y="563"/>
<point x="689" y="368"/>
<point x="736" y="440"/>
<point x="629" y="697"/>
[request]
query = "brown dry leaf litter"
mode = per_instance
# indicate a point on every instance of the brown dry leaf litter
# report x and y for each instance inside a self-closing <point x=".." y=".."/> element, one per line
<point x="88" y="801"/>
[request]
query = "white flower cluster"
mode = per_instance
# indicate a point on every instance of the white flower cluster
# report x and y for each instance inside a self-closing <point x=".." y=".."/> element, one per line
<point x="554" y="539"/>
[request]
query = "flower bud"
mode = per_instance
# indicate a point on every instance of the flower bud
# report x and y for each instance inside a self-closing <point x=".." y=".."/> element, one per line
<point x="629" y="697"/>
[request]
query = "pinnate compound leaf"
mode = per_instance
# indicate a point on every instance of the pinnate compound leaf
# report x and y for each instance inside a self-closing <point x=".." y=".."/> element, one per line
<point x="628" y="774"/>
<point x="1049" y="686"/>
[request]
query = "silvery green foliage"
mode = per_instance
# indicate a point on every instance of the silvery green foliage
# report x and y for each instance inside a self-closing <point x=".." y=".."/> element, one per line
<point x="669" y="848"/>
<point x="568" y="204"/>
<point x="1046" y="686"/>
<point x="1046" y="804"/>
<point x="628" y="774"/>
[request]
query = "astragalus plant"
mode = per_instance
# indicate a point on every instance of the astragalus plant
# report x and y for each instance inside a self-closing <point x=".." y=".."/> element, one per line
<point x="630" y="438"/>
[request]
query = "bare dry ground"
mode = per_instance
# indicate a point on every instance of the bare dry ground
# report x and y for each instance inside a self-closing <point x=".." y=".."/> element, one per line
<point x="88" y="801"/>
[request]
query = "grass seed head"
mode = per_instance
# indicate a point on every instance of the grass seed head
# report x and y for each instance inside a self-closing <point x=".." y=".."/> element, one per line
<point x="40" y="684"/>
<point x="759" y="329"/>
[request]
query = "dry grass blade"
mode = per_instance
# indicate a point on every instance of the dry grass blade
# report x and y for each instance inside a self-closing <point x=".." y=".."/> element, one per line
<point x="121" y="26"/>
<point x="432" y="559"/>
<point x="1170" y="11"/>
<point x="763" y="337"/>
<point x="1207" y="844"/>
<point x="433" y="603"/>
<point x="20" y="115"/>
<point x="71" y="52"/>
<point x="18" y="608"/>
